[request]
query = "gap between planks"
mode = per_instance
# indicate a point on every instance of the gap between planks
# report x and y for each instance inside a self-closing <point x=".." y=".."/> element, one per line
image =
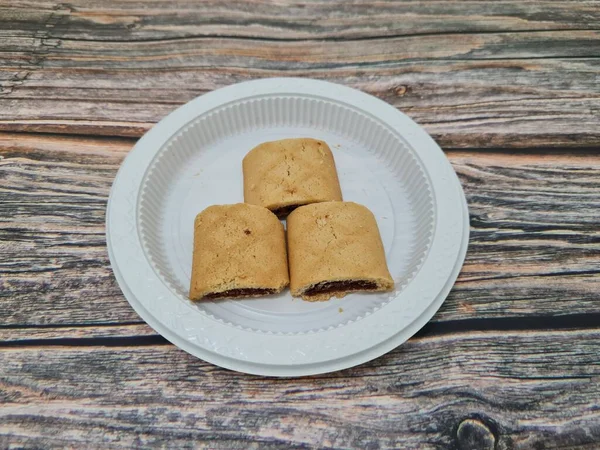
<point x="433" y="330"/>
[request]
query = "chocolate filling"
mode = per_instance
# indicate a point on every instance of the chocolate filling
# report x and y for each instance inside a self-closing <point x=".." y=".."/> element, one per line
<point x="284" y="210"/>
<point x="244" y="292"/>
<point x="340" y="286"/>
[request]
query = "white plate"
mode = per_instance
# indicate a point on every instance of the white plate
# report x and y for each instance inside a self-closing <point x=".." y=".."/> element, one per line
<point x="192" y="159"/>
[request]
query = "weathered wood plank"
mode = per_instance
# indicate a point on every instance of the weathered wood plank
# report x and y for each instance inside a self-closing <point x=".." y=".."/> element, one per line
<point x="289" y="20"/>
<point x="452" y="66"/>
<point x="515" y="390"/>
<point x="227" y="52"/>
<point x="535" y="241"/>
<point x="58" y="254"/>
<point x="513" y="103"/>
<point x="534" y="250"/>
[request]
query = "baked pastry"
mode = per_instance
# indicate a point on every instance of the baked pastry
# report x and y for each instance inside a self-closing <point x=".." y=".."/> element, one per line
<point x="239" y="251"/>
<point x="282" y="175"/>
<point x="335" y="248"/>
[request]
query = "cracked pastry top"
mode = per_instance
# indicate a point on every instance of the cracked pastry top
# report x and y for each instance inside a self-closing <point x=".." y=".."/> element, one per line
<point x="334" y="248"/>
<point x="282" y="175"/>
<point x="239" y="251"/>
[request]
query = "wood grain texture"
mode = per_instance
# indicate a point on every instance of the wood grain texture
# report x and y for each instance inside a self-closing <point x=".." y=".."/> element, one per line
<point x="534" y="249"/>
<point x="518" y="390"/>
<point x="58" y="255"/>
<point x="287" y="20"/>
<point x="511" y="359"/>
<point x="511" y="75"/>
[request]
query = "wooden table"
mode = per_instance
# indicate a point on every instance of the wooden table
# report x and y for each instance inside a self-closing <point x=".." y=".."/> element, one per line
<point x="510" y="90"/>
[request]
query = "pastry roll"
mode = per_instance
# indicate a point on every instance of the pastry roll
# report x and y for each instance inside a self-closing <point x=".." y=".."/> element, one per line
<point x="282" y="175"/>
<point x="239" y="251"/>
<point x="335" y="248"/>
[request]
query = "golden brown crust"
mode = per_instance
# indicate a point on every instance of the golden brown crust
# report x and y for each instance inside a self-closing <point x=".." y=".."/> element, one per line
<point x="289" y="173"/>
<point x="238" y="247"/>
<point x="335" y="242"/>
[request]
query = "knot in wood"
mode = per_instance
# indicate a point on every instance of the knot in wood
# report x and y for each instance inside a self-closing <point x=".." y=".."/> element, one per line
<point x="400" y="90"/>
<point x="473" y="434"/>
